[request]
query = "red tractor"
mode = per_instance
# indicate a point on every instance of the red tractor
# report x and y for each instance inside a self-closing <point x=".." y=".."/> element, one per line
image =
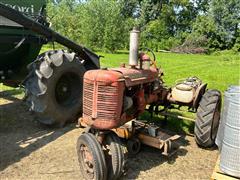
<point x="114" y="98"/>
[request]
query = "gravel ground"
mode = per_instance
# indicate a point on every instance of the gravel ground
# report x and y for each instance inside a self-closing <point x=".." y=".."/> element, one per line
<point x="29" y="150"/>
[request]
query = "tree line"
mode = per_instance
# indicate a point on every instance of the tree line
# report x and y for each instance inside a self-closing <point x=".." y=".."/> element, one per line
<point x="178" y="25"/>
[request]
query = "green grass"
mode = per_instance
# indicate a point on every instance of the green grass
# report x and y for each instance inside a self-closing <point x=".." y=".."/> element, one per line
<point x="219" y="71"/>
<point x="10" y="93"/>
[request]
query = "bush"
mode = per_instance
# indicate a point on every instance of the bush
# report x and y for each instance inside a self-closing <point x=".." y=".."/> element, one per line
<point x="192" y="45"/>
<point x="225" y="53"/>
<point x="236" y="47"/>
<point x="168" y="44"/>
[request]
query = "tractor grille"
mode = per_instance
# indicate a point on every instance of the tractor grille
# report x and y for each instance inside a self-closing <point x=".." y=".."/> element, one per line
<point x="105" y="105"/>
<point x="87" y="99"/>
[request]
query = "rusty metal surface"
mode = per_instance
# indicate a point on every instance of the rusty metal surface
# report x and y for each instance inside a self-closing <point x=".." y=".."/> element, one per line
<point x="135" y="76"/>
<point x="176" y="116"/>
<point x="106" y="77"/>
<point x="198" y="95"/>
<point x="123" y="132"/>
<point x="167" y="142"/>
<point x="130" y="76"/>
<point x="104" y="92"/>
<point x="102" y="104"/>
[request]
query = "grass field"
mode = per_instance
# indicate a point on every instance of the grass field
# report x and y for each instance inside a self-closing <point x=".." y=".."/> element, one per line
<point x="219" y="71"/>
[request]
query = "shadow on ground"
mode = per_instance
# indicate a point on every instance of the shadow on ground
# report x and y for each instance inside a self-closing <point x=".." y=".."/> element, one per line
<point x="149" y="157"/>
<point x="20" y="134"/>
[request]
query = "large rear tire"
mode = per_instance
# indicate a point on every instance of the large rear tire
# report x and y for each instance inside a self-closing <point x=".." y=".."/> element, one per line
<point x="207" y="121"/>
<point x="54" y="87"/>
<point x="91" y="158"/>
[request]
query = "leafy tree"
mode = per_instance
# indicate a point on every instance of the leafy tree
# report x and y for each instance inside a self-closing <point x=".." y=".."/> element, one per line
<point x="105" y="24"/>
<point x="220" y="25"/>
<point x="63" y="18"/>
<point x="102" y="24"/>
<point x="172" y="25"/>
<point x="97" y="24"/>
<point x="226" y="14"/>
<point x="201" y="6"/>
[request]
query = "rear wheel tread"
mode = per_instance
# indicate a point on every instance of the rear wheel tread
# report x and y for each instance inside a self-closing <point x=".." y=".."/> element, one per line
<point x="117" y="156"/>
<point x="206" y="120"/>
<point x="41" y="81"/>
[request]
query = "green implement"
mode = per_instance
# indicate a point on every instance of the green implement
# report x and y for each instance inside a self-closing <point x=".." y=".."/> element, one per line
<point x="18" y="45"/>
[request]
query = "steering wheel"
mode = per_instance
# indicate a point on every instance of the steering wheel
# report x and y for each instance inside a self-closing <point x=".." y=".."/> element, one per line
<point x="151" y="54"/>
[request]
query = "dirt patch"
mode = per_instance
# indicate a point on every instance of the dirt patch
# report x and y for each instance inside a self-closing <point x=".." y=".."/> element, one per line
<point x="29" y="150"/>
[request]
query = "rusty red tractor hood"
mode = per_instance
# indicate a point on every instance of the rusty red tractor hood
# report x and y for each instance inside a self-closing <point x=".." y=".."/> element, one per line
<point x="131" y="77"/>
<point x="107" y="94"/>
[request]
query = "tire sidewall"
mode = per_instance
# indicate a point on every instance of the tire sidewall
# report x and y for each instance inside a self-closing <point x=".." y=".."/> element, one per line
<point x="54" y="113"/>
<point x="215" y="121"/>
<point x="206" y="128"/>
<point x="99" y="163"/>
<point x="61" y="112"/>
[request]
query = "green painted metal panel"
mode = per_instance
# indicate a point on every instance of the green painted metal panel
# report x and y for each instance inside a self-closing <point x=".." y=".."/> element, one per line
<point x="25" y="6"/>
<point x="15" y="53"/>
<point x="30" y="8"/>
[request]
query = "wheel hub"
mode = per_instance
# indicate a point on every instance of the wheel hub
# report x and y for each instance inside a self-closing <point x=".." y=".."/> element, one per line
<point x="68" y="89"/>
<point x="88" y="160"/>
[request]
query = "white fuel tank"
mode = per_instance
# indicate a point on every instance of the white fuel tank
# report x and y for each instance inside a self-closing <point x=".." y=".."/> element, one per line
<point x="183" y="93"/>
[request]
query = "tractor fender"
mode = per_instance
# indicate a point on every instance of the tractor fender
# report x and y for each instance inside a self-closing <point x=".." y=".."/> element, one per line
<point x="198" y="95"/>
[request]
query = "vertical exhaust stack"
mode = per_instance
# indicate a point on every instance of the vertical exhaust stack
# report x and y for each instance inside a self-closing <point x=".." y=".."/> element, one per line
<point x="133" y="51"/>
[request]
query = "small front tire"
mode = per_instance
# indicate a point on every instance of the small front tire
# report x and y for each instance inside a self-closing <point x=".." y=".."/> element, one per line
<point x="133" y="146"/>
<point x="114" y="156"/>
<point x="91" y="158"/>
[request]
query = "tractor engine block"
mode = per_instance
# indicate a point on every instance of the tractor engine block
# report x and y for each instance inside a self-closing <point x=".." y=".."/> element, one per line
<point x="115" y="96"/>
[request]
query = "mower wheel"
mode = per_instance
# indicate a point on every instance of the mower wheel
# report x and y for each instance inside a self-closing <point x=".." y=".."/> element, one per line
<point x="114" y="155"/>
<point x="54" y="87"/>
<point x="207" y="120"/>
<point x="91" y="158"/>
<point x="133" y="146"/>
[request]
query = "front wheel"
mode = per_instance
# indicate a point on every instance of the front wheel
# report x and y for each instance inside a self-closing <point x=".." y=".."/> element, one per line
<point x="114" y="156"/>
<point x="91" y="158"/>
<point x="133" y="146"/>
<point x="207" y="120"/>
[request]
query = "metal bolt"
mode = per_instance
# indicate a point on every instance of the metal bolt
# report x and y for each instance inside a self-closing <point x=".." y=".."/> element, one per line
<point x="64" y="89"/>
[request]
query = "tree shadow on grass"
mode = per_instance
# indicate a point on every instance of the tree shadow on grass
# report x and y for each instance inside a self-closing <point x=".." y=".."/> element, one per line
<point x="10" y="94"/>
<point x="20" y="134"/>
